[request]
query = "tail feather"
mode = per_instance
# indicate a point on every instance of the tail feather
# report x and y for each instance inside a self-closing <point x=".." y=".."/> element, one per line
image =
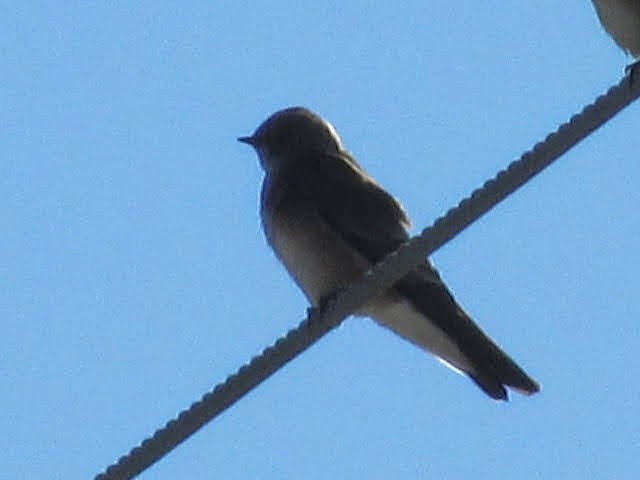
<point x="487" y="364"/>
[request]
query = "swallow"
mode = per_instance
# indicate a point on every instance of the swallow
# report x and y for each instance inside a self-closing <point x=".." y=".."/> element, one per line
<point x="328" y="222"/>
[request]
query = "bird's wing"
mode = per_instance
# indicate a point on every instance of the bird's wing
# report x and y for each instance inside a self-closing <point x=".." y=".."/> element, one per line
<point x="373" y="222"/>
<point x="364" y="214"/>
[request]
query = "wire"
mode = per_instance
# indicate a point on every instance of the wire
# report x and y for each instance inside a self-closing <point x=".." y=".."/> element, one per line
<point x="376" y="280"/>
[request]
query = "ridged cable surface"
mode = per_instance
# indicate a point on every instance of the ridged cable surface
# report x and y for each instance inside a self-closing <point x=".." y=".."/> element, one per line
<point x="379" y="278"/>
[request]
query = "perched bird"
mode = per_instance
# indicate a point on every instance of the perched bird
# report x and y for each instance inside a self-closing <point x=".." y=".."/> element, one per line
<point x="621" y="19"/>
<point x="328" y="222"/>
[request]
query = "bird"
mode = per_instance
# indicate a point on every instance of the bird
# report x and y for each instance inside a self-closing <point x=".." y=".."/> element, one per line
<point x="621" y="19"/>
<point x="328" y="221"/>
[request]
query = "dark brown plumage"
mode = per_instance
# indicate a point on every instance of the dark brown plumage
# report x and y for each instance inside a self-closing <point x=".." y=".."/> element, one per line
<point x="328" y="221"/>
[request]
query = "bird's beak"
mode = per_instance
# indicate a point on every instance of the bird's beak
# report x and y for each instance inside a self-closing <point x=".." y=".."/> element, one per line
<point x="248" y="140"/>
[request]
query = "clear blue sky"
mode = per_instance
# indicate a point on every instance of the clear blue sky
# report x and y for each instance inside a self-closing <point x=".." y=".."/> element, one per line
<point x="134" y="274"/>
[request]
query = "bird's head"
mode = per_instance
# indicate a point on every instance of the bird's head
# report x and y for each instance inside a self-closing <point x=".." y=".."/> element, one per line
<point x="291" y="135"/>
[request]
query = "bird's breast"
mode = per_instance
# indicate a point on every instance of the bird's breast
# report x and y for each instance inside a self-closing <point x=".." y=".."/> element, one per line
<point x="317" y="257"/>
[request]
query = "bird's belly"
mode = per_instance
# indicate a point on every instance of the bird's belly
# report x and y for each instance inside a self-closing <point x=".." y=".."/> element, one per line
<point x="316" y="257"/>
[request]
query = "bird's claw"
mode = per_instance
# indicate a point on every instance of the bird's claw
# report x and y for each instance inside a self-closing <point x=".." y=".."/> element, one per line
<point x="633" y="71"/>
<point x="323" y="303"/>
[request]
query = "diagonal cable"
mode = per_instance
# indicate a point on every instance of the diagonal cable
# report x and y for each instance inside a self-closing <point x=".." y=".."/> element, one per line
<point x="376" y="280"/>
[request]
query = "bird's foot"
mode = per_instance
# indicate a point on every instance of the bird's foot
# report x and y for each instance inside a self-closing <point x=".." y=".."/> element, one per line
<point x="323" y="303"/>
<point x="633" y="71"/>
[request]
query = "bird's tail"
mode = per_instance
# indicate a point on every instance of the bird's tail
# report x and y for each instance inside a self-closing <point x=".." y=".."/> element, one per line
<point x="422" y="310"/>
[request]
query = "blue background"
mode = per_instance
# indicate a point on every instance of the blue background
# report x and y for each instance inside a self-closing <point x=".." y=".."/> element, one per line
<point x="134" y="274"/>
